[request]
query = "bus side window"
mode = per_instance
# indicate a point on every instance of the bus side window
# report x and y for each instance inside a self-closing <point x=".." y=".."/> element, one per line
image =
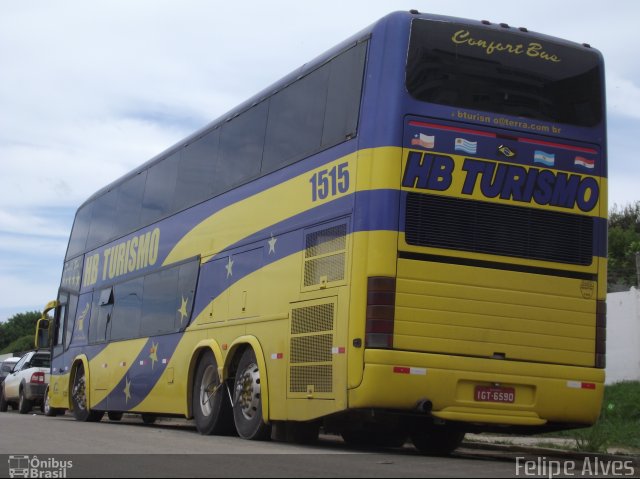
<point x="159" y="303"/>
<point x="70" y="320"/>
<point x="127" y="310"/>
<point x="101" y="316"/>
<point x="240" y="154"/>
<point x="60" y="314"/>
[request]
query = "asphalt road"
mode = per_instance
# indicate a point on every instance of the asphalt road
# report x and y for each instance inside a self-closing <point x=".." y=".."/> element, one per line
<point x="63" y="447"/>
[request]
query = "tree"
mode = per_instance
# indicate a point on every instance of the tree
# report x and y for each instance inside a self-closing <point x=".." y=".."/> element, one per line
<point x="18" y="326"/>
<point x="624" y="243"/>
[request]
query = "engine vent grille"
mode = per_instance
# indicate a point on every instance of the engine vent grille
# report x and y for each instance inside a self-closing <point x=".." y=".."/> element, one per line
<point x="311" y="344"/>
<point x="506" y="230"/>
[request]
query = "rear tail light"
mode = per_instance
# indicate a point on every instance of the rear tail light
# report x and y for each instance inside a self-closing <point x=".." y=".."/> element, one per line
<point x="37" y="378"/>
<point x="381" y="304"/>
<point x="601" y="334"/>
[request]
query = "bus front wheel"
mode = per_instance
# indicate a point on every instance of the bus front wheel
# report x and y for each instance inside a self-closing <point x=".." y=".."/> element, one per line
<point x="80" y="401"/>
<point x="247" y="400"/>
<point x="211" y="406"/>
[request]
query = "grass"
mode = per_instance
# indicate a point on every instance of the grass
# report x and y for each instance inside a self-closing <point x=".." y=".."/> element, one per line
<point x="619" y="422"/>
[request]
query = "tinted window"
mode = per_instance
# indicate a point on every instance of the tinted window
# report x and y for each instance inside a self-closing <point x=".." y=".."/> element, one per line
<point x="41" y="361"/>
<point x="196" y="171"/>
<point x="187" y="276"/>
<point x="296" y="116"/>
<point x="103" y="220"/>
<point x="71" y="319"/>
<point x="19" y="365"/>
<point x="127" y="309"/>
<point x="80" y="230"/>
<point x="159" y="304"/>
<point x="241" y="144"/>
<point x="503" y="72"/>
<point x="100" y="316"/>
<point x="159" y="190"/>
<point x="343" y="97"/>
<point x="7" y="367"/>
<point x="129" y="204"/>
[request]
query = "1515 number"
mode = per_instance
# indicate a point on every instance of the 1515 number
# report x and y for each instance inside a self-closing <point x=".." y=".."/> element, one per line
<point x="325" y="183"/>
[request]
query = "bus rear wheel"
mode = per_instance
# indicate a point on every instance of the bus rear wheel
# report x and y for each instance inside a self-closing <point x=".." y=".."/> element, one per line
<point x="210" y="404"/>
<point x="80" y="401"/>
<point x="247" y="400"/>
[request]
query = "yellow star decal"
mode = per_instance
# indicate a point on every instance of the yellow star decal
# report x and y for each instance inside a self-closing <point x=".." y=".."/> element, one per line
<point x="183" y="309"/>
<point x="154" y="354"/>
<point x="127" y="390"/>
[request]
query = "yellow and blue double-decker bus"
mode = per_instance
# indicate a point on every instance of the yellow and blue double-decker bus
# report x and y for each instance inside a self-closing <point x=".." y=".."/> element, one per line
<point x="406" y="237"/>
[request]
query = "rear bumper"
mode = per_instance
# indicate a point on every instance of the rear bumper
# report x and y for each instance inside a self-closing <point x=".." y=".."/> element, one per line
<point x="34" y="392"/>
<point x="544" y="393"/>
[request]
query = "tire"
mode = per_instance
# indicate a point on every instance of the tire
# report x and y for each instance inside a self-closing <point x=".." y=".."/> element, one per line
<point x="115" y="416"/>
<point x="24" y="404"/>
<point x="210" y="402"/>
<point x="4" y="405"/>
<point x="437" y="441"/>
<point x="46" y="407"/>
<point x="80" y="401"/>
<point x="247" y="400"/>
<point x="148" y="419"/>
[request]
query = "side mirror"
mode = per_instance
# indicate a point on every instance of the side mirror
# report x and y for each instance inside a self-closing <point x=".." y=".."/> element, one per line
<point x="43" y="339"/>
<point x="43" y="328"/>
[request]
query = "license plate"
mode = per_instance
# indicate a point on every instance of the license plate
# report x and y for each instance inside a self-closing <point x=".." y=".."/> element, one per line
<point x="495" y="394"/>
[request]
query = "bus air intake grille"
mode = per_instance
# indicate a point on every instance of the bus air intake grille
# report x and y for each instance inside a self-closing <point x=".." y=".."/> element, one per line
<point x="319" y="376"/>
<point x="312" y="319"/>
<point x="506" y="230"/>
<point x="311" y="348"/>
<point x="324" y="255"/>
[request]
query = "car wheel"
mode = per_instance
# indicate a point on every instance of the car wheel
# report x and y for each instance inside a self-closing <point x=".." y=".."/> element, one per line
<point x="148" y="419"/>
<point x="46" y="406"/>
<point x="115" y="415"/>
<point x="4" y="405"/>
<point x="24" y="405"/>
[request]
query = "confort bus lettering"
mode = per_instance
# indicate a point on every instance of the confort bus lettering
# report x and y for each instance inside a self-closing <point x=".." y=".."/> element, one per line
<point x="500" y="180"/>
<point x="125" y="257"/>
<point x="533" y="49"/>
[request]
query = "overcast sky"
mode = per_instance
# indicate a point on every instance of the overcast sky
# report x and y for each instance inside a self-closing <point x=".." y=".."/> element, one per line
<point x="89" y="90"/>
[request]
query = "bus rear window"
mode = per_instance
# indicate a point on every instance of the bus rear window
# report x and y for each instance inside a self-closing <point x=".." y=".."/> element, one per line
<point x="504" y="72"/>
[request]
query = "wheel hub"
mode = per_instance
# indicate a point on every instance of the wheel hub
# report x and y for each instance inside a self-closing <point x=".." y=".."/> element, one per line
<point x="247" y="393"/>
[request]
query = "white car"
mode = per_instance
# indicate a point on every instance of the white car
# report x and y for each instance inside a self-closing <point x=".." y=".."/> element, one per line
<point x="25" y="386"/>
<point x="6" y="367"/>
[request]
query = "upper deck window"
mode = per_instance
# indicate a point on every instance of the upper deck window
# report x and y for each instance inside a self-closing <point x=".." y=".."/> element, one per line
<point x="504" y="72"/>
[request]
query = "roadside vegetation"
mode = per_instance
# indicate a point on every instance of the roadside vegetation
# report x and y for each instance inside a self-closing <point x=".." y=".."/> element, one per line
<point x="619" y="423"/>
<point x="624" y="244"/>
<point x="17" y="333"/>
